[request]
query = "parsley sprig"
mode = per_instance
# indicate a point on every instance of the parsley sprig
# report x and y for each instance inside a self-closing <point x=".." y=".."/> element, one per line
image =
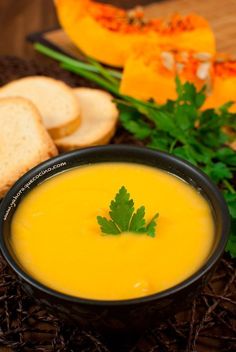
<point x="179" y="127"/>
<point x="125" y="219"/>
<point x="182" y="128"/>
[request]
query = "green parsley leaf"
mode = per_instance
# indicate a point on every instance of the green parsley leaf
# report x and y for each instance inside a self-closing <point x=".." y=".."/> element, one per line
<point x="185" y="116"/>
<point x="108" y="226"/>
<point x="121" y="209"/>
<point x="158" y="141"/>
<point x="137" y="223"/>
<point x="187" y="93"/>
<point x="185" y="153"/>
<point x="133" y="123"/>
<point x="225" y="107"/>
<point x="152" y="226"/>
<point x="218" y="171"/>
<point x="124" y="219"/>
<point x="231" y="201"/>
<point x="231" y="245"/>
<point x="227" y="155"/>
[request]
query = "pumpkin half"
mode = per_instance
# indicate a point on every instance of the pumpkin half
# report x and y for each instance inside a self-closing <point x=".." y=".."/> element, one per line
<point x="108" y="33"/>
<point x="150" y="74"/>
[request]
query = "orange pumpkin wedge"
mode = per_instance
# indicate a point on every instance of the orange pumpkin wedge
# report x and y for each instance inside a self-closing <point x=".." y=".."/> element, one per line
<point x="108" y="33"/>
<point x="224" y="88"/>
<point x="151" y="74"/>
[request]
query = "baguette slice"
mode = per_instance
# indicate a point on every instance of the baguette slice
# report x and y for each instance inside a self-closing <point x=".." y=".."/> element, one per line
<point x="98" y="120"/>
<point x="55" y="101"/>
<point x="24" y="140"/>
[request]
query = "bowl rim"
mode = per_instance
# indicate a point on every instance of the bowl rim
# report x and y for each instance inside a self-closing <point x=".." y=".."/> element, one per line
<point x="207" y="266"/>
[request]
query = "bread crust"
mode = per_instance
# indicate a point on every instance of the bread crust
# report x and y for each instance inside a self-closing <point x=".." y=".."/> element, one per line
<point x="47" y="147"/>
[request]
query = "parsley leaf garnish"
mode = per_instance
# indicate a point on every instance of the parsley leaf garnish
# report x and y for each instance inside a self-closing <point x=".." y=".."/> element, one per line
<point x="121" y="209"/>
<point x="125" y="219"/>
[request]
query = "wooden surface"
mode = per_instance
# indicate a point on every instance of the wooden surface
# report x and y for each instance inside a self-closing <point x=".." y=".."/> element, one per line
<point x="21" y="17"/>
<point x="127" y="3"/>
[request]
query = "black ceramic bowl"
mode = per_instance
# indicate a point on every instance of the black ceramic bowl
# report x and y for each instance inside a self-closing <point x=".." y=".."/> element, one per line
<point x="119" y="315"/>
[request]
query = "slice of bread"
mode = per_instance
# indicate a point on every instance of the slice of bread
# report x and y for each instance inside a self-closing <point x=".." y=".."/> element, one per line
<point x="55" y="101"/>
<point x="98" y="120"/>
<point x="24" y="141"/>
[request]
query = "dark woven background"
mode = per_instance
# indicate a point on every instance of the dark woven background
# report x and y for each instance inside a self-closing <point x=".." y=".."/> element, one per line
<point x="209" y="325"/>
